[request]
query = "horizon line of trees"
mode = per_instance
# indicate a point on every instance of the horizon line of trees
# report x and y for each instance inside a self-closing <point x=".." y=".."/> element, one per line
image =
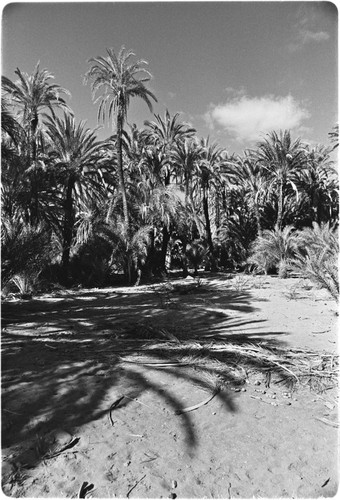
<point x="79" y="210"/>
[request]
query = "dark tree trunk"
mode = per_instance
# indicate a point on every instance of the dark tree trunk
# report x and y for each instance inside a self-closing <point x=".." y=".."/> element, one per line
<point x="68" y="227"/>
<point x="148" y="268"/>
<point x="280" y="205"/>
<point x="258" y="219"/>
<point x="208" y="230"/>
<point x="217" y="210"/>
<point x="165" y="242"/>
<point x="34" y="176"/>
<point x="120" y="169"/>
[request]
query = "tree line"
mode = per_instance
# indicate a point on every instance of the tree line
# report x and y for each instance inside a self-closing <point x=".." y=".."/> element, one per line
<point x="79" y="210"/>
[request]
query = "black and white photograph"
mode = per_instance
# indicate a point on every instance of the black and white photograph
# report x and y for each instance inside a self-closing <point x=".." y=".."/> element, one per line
<point x="169" y="250"/>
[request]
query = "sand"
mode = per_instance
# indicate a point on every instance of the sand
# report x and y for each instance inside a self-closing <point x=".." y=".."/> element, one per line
<point x="68" y="356"/>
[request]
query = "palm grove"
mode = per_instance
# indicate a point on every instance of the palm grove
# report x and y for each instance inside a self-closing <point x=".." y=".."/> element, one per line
<point x="77" y="210"/>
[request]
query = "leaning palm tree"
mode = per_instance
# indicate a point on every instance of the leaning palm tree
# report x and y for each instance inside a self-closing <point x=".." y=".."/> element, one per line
<point x="74" y="155"/>
<point x="115" y="79"/>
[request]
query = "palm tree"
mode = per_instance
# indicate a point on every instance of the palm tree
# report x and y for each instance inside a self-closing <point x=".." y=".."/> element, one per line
<point x="207" y="172"/>
<point x="129" y="246"/>
<point x="275" y="249"/>
<point x="185" y="157"/>
<point x="9" y="124"/>
<point x="166" y="133"/>
<point x="114" y="81"/>
<point x="74" y="155"/>
<point x="318" y="186"/>
<point x="334" y="136"/>
<point x="318" y="256"/>
<point x="32" y="95"/>
<point x="279" y="156"/>
<point x="163" y="135"/>
<point x="246" y="173"/>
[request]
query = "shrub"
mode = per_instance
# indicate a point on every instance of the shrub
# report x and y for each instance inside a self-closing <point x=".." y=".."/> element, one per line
<point x="317" y="257"/>
<point x="275" y="249"/>
<point x="196" y="252"/>
<point x="25" y="252"/>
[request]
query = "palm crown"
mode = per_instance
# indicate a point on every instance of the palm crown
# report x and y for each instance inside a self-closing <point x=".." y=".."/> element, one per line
<point x="115" y="80"/>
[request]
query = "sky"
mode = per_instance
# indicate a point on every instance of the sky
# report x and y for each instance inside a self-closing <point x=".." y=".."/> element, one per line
<point x="234" y="71"/>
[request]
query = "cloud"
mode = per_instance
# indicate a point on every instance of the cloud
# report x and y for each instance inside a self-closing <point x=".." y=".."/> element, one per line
<point x="235" y="92"/>
<point x="249" y="118"/>
<point x="310" y="36"/>
<point x="307" y="28"/>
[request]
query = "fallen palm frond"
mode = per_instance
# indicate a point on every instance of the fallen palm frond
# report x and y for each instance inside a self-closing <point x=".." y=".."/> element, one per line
<point x="113" y="406"/>
<point x="85" y="489"/>
<point x="234" y="362"/>
<point x="195" y="407"/>
<point x="134" y="486"/>
<point x="327" y="422"/>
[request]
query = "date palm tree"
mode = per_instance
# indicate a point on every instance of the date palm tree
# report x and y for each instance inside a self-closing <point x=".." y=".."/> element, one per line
<point x="74" y="155"/>
<point x="280" y="157"/>
<point x="334" y="136"/>
<point x="186" y="156"/>
<point x="166" y="133"/>
<point x="318" y="185"/>
<point x="115" y="79"/>
<point x="33" y="95"/>
<point x="246" y="173"/>
<point x="207" y="172"/>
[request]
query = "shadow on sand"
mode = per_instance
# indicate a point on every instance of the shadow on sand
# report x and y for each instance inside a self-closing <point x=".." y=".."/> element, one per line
<point x="62" y="355"/>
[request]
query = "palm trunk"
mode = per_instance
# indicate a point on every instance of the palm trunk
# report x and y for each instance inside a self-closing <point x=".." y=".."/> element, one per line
<point x="217" y="210"/>
<point x="120" y="168"/>
<point x="208" y="229"/>
<point x="148" y="268"/>
<point x="68" y="227"/>
<point x="280" y="206"/>
<point x="165" y="242"/>
<point x="34" y="177"/>
<point x="258" y="219"/>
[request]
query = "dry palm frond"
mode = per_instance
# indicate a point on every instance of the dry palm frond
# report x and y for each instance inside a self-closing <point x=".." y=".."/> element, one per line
<point x="221" y="362"/>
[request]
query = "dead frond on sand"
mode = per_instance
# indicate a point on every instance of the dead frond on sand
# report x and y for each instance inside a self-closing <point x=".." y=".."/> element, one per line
<point x="233" y="363"/>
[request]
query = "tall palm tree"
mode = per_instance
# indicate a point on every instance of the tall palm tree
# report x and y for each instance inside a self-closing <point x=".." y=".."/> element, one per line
<point x="115" y="79"/>
<point x="279" y="156"/>
<point x="74" y="155"/>
<point x="33" y="95"/>
<point x="207" y="171"/>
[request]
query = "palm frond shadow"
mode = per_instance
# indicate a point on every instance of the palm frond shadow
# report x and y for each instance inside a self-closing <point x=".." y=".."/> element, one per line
<point x="64" y="362"/>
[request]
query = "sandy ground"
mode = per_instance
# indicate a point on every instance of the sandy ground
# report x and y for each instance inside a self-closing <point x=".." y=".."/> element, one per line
<point x="68" y="357"/>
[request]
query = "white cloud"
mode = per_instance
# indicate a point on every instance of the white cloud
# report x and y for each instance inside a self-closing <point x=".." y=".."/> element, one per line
<point x="307" y="28"/>
<point x="313" y="36"/>
<point x="249" y="118"/>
